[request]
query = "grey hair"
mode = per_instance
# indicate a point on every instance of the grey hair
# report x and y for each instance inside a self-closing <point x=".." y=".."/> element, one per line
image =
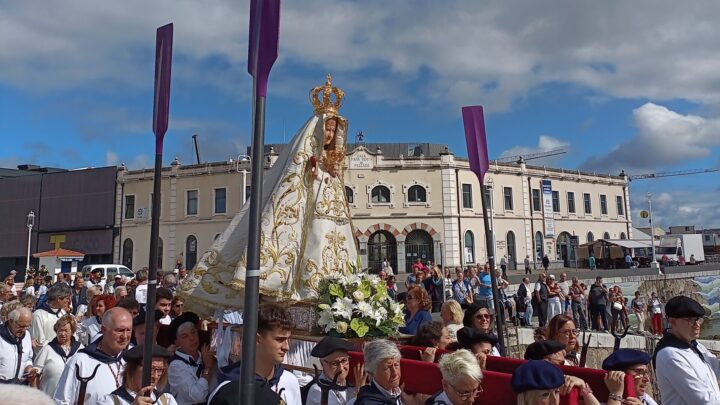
<point x="5" y="288"/>
<point x="118" y="289"/>
<point x="461" y="363"/>
<point x="183" y="326"/>
<point x="58" y="291"/>
<point x="16" y="313"/>
<point x="141" y="275"/>
<point x="169" y="279"/>
<point x="378" y="350"/>
<point x="24" y="395"/>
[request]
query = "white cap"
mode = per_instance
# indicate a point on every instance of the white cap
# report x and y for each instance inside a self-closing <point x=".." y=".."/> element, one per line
<point x="552" y="276"/>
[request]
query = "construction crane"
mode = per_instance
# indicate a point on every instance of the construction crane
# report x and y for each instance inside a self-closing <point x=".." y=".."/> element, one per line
<point x="668" y="174"/>
<point x="531" y="156"/>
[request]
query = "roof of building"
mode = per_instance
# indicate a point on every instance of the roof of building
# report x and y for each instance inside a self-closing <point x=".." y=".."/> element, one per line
<point x="59" y="253"/>
<point x="27" y="170"/>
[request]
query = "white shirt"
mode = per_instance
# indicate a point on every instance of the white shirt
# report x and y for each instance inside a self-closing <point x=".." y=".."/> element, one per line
<point x="43" y="322"/>
<point x="91" y="326"/>
<point x="334" y="397"/>
<point x="184" y="383"/>
<point x="684" y="378"/>
<point x="288" y="383"/>
<point x="111" y="399"/>
<point x="165" y="320"/>
<point x="107" y="379"/>
<point x="9" y="357"/>
<point x="51" y="365"/>
<point x="564" y="288"/>
<point x="648" y="399"/>
<point x="141" y="294"/>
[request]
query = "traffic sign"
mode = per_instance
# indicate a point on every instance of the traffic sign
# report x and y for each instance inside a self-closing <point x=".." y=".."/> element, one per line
<point x="644" y="214"/>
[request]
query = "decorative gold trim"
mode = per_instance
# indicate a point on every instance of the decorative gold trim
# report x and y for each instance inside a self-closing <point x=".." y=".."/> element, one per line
<point x="326" y="105"/>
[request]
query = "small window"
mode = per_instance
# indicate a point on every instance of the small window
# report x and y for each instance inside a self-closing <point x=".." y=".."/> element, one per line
<point x="380" y="195"/>
<point x="129" y="206"/>
<point x="467" y="196"/>
<point x="417" y="194"/>
<point x="606" y="235"/>
<point x="469" y="247"/>
<point x="220" y="200"/>
<point x="588" y="203"/>
<point x="603" y="204"/>
<point x="349" y="195"/>
<point x="508" y="197"/>
<point x="488" y="196"/>
<point x="127" y="253"/>
<point x="620" y="205"/>
<point x="571" y="202"/>
<point x="556" y="201"/>
<point x="623" y="236"/>
<point x="191" y="207"/>
<point x="590" y="237"/>
<point x="190" y="252"/>
<point x="536" y="199"/>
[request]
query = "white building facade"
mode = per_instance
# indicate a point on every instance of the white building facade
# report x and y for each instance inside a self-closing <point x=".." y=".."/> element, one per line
<point x="407" y="202"/>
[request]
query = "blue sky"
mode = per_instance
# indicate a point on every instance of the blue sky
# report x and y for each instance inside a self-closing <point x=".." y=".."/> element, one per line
<point x="618" y="86"/>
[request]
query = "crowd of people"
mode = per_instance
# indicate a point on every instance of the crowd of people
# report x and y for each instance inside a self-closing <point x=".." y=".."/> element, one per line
<point x="80" y="340"/>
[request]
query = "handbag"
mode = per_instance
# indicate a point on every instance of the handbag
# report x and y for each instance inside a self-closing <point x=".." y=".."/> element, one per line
<point x="617" y="306"/>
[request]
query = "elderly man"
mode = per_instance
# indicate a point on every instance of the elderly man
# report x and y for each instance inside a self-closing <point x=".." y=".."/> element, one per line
<point x="100" y="363"/>
<point x="5" y="294"/>
<point x="461" y="377"/>
<point x="635" y="363"/>
<point x="333" y="355"/>
<point x="44" y="318"/>
<point x="687" y="373"/>
<point x="16" y="348"/>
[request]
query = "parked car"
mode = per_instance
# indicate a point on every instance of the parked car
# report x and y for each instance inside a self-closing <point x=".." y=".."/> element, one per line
<point x="109" y="271"/>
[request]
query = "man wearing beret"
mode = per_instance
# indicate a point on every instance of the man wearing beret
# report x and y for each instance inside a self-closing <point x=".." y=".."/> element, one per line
<point x="549" y="350"/>
<point x="333" y="355"/>
<point x="635" y="363"/>
<point x="687" y="373"/>
<point x="480" y="344"/>
<point x="192" y="367"/>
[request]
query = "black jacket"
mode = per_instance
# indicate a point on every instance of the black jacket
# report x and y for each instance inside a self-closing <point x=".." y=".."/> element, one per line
<point x="371" y="395"/>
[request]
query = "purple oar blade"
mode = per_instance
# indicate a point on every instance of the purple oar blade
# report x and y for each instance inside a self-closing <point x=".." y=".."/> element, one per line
<point x="476" y="140"/>
<point x="263" y="41"/>
<point x="163" y="63"/>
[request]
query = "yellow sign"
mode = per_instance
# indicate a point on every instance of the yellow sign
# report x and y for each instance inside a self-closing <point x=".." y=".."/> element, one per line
<point x="57" y="240"/>
<point x="644" y="214"/>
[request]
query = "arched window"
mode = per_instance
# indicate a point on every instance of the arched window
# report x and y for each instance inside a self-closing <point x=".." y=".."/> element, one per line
<point x="349" y="195"/>
<point x="539" y="248"/>
<point x="190" y="252"/>
<point x="417" y="194"/>
<point x="127" y="254"/>
<point x="622" y="235"/>
<point x="590" y="237"/>
<point x="606" y="235"/>
<point x="380" y="194"/>
<point x="469" y="247"/>
<point x="160" y="253"/>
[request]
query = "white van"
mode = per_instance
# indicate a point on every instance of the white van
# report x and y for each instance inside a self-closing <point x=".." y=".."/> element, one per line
<point x="109" y="271"/>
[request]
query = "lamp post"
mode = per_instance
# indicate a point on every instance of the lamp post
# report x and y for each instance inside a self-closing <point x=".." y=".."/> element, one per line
<point x="30" y="224"/>
<point x="489" y="186"/>
<point x="654" y="264"/>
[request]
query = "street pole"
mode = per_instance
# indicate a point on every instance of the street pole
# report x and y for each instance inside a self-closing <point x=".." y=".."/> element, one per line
<point x="491" y="192"/>
<point x="30" y="223"/>
<point x="654" y="264"/>
<point x="262" y="53"/>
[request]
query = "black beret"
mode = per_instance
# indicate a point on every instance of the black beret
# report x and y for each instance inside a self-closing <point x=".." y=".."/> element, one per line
<point x="136" y="353"/>
<point x="683" y="307"/>
<point x="140" y="319"/>
<point x="330" y="344"/>
<point x="469" y="336"/>
<point x="185" y="317"/>
<point x="622" y="359"/>
<point x="538" y="350"/>
<point x="537" y="375"/>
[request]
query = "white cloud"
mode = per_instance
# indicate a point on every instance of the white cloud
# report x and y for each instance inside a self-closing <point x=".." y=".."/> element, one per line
<point x="545" y="143"/>
<point x="664" y="138"/>
<point x="682" y="207"/>
<point x="111" y="158"/>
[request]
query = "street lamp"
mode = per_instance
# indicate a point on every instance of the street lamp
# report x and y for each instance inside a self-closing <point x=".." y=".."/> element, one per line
<point x="654" y="264"/>
<point x="30" y="224"/>
<point x="489" y="186"/>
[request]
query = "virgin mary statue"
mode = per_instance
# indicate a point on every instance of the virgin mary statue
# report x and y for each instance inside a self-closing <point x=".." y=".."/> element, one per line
<point x="306" y="230"/>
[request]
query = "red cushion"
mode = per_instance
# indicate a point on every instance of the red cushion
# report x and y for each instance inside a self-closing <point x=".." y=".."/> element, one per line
<point x="413" y="352"/>
<point x="502" y="364"/>
<point x="496" y="389"/>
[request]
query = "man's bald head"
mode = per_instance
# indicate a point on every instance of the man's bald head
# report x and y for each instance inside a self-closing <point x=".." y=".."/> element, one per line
<point x="116" y="330"/>
<point x="113" y="315"/>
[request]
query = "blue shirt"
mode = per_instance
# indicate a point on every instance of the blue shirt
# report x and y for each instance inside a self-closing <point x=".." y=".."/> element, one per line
<point x="411" y="325"/>
<point x="485" y="292"/>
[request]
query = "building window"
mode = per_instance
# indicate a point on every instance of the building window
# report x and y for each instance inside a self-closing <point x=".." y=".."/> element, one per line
<point x="623" y="236"/>
<point x="606" y="236"/>
<point x="507" y="193"/>
<point x="129" y="206"/>
<point x="467" y="195"/>
<point x="417" y="194"/>
<point x="191" y="204"/>
<point x="349" y="195"/>
<point x="127" y="254"/>
<point x="536" y="200"/>
<point x="190" y="252"/>
<point x="603" y="204"/>
<point x="620" y="205"/>
<point x="380" y="194"/>
<point x="220" y="200"/>
<point x="571" y="202"/>
<point x="469" y="247"/>
<point x="556" y="201"/>
<point x="487" y="190"/>
<point x="590" y="237"/>
<point x="588" y="203"/>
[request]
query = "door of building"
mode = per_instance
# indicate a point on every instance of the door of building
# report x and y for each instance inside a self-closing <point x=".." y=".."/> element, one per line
<point x="382" y="245"/>
<point x="418" y="245"/>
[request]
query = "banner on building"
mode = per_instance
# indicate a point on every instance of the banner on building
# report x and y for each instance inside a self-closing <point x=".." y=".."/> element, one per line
<point x="548" y="213"/>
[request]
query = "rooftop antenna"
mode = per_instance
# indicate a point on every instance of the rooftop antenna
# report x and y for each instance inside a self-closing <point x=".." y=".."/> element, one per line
<point x="360" y="139"/>
<point x="197" y="147"/>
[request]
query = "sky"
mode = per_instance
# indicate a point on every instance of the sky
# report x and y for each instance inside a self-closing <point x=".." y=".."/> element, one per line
<point x="618" y="85"/>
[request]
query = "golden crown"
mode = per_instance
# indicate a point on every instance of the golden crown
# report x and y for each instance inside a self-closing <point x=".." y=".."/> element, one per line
<point x="325" y="104"/>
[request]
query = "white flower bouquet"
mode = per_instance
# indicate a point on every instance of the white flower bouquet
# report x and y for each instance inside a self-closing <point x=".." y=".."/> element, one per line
<point x="358" y="305"/>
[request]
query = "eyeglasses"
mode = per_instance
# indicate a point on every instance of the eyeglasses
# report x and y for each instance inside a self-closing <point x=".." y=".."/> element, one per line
<point x="483" y="316"/>
<point x="158" y="371"/>
<point x="466" y="395"/>
<point x="178" y="305"/>
<point x="343" y="361"/>
<point x="698" y="320"/>
<point x="569" y="332"/>
<point x="640" y="372"/>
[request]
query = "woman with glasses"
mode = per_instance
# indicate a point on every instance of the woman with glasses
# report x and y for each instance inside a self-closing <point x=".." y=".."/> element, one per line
<point x="132" y="392"/>
<point x="482" y="318"/>
<point x="635" y="363"/>
<point x="418" y="304"/>
<point x="51" y="359"/>
<point x="562" y="329"/>
<point x="176" y="308"/>
<point x="461" y="379"/>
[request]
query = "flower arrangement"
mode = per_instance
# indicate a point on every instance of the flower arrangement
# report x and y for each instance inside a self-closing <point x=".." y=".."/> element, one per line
<point x="358" y="305"/>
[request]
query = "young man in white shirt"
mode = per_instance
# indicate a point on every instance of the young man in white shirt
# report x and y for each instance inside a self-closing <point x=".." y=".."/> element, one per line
<point x="687" y="373"/>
